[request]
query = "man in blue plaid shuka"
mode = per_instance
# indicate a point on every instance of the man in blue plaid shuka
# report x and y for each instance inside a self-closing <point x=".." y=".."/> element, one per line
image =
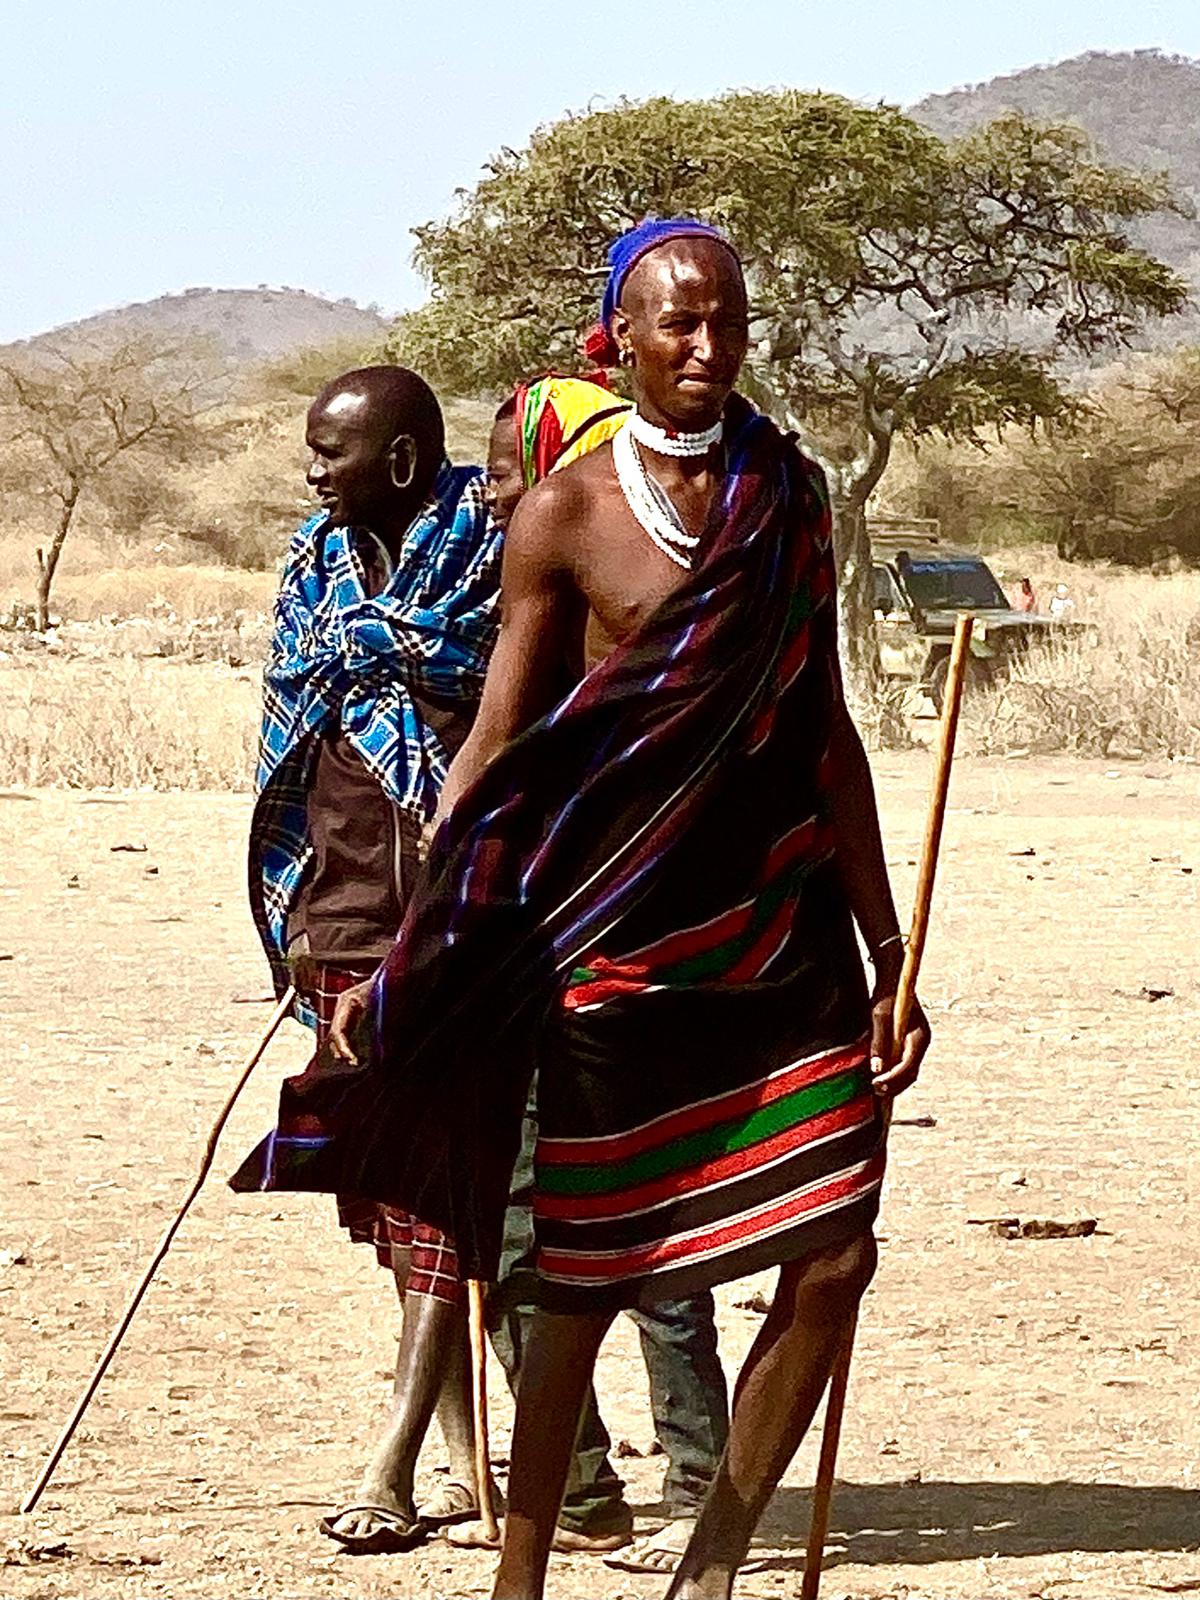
<point x="338" y="654"/>
<point x="386" y="616"/>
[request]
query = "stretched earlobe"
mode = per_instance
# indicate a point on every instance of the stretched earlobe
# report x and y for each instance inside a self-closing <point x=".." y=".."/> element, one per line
<point x="402" y="476"/>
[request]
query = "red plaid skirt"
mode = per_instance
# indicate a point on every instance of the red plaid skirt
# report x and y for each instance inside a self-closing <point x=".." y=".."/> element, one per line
<point x="433" y="1263"/>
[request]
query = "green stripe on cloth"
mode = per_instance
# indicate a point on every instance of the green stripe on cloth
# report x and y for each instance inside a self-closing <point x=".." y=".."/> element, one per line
<point x="723" y="957"/>
<point x="801" y="607"/>
<point x="713" y="962"/>
<point x="693" y="1149"/>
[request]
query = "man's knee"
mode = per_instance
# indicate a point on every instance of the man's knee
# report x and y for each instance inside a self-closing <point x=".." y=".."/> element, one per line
<point x="840" y="1274"/>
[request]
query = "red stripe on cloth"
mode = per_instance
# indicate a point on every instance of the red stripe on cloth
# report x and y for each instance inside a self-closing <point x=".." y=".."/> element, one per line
<point x="760" y="729"/>
<point x="593" y="994"/>
<point x="843" y="1189"/>
<point x="791" y="847"/>
<point x="635" y="970"/>
<point x="581" y="1208"/>
<point x="684" y="944"/>
<point x="720" y="1108"/>
<point x="793" y="659"/>
<point x="822" y="582"/>
<point x="769" y="942"/>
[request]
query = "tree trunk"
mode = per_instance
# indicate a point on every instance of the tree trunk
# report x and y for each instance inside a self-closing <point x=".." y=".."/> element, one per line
<point x="856" y="599"/>
<point x="48" y="562"/>
<point x="877" y="713"/>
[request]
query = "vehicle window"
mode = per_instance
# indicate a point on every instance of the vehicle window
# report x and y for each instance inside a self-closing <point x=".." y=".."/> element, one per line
<point x="937" y="585"/>
<point x="887" y="596"/>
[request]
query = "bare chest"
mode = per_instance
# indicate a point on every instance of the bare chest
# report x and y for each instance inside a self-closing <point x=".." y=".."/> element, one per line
<point x="622" y="574"/>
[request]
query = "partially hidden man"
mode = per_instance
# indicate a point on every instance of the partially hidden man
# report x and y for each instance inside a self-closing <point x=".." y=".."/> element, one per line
<point x="647" y="888"/>
<point x="385" y="619"/>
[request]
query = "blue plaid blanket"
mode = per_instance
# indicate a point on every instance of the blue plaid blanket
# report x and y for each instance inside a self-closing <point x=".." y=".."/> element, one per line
<point x="338" y="655"/>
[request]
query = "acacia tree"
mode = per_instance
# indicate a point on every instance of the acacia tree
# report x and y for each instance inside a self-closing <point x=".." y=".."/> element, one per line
<point x="77" y="412"/>
<point x="1123" y="483"/>
<point x="898" y="285"/>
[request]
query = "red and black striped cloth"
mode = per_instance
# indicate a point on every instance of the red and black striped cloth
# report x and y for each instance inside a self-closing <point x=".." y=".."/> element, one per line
<point x="640" y="897"/>
<point x="400" y="1240"/>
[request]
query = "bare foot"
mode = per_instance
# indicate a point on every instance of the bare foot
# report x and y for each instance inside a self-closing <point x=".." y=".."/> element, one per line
<point x="471" y="1536"/>
<point x="655" y="1552"/>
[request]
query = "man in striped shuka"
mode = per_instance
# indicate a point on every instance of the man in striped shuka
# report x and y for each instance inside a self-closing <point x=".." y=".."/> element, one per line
<point x="649" y="890"/>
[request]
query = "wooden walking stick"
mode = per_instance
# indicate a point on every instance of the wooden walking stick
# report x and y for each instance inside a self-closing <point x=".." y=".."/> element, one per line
<point x="905" y="992"/>
<point x="110" y="1349"/>
<point x="483" y="1459"/>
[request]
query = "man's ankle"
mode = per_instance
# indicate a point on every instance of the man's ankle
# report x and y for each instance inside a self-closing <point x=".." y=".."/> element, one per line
<point x="595" y="1519"/>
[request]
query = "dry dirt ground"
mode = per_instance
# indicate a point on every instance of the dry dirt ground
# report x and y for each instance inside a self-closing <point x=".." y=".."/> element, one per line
<point x="1023" y="1413"/>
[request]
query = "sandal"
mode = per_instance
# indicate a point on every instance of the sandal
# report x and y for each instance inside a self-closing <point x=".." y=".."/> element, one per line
<point x="450" y="1501"/>
<point x="658" y="1552"/>
<point x="393" y="1532"/>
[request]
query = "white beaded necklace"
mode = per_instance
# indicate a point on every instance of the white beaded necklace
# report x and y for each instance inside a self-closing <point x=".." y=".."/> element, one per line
<point x="649" y="501"/>
<point x="674" y="444"/>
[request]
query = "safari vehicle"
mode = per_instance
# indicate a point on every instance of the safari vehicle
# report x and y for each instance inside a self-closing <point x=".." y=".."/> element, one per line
<point x="921" y="586"/>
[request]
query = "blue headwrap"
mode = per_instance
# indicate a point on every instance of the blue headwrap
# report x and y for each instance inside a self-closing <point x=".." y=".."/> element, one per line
<point x="625" y="253"/>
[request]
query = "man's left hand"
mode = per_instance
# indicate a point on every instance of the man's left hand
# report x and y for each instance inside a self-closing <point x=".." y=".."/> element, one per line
<point x="895" y="1063"/>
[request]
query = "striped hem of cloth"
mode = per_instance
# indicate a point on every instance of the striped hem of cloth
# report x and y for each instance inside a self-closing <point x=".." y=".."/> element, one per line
<point x="595" y="1150"/>
<point x="724" y="1171"/>
<point x="758" y="1225"/>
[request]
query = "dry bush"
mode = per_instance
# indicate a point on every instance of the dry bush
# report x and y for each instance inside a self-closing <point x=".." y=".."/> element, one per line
<point x="468" y="427"/>
<point x="126" y="724"/>
<point x="182" y="594"/>
<point x="1129" y="686"/>
<point x="243" y="509"/>
<point x="884" y="720"/>
<point x="1119" y="480"/>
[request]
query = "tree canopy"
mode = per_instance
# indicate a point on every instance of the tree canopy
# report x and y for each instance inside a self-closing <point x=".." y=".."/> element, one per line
<point x="900" y="285"/>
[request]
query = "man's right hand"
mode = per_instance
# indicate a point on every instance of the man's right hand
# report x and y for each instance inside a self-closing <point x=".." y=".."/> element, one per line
<point x="351" y="1008"/>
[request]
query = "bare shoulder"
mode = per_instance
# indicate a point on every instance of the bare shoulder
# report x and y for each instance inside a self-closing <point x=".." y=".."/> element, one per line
<point x="586" y="473"/>
<point x="546" y="525"/>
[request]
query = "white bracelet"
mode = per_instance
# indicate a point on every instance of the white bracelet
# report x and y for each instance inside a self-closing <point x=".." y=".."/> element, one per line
<point x="895" y="938"/>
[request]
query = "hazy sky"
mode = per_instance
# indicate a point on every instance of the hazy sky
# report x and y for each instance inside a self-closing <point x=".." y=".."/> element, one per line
<point x="146" y="145"/>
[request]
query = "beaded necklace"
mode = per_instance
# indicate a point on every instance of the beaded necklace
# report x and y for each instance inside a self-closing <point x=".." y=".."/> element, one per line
<point x="645" y="496"/>
<point x="666" y="443"/>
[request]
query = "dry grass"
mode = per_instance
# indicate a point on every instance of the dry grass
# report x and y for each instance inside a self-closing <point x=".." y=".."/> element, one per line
<point x="182" y="594"/>
<point x="154" y="684"/>
<point x="1130" y="688"/>
<point x="124" y="723"/>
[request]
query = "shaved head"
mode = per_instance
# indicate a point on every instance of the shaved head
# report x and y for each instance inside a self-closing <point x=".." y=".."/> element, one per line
<point x="387" y="401"/>
<point x="661" y="272"/>
<point x="682" y="325"/>
<point x="378" y="441"/>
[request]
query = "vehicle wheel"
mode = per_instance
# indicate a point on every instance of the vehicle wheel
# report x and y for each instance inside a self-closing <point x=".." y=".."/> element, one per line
<point x="978" y="675"/>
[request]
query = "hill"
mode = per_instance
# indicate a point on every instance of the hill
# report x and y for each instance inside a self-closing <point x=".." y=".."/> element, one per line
<point x="1139" y="107"/>
<point x="248" y="326"/>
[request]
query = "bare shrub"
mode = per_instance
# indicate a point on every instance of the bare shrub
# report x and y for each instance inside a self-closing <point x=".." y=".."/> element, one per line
<point x="883" y="719"/>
